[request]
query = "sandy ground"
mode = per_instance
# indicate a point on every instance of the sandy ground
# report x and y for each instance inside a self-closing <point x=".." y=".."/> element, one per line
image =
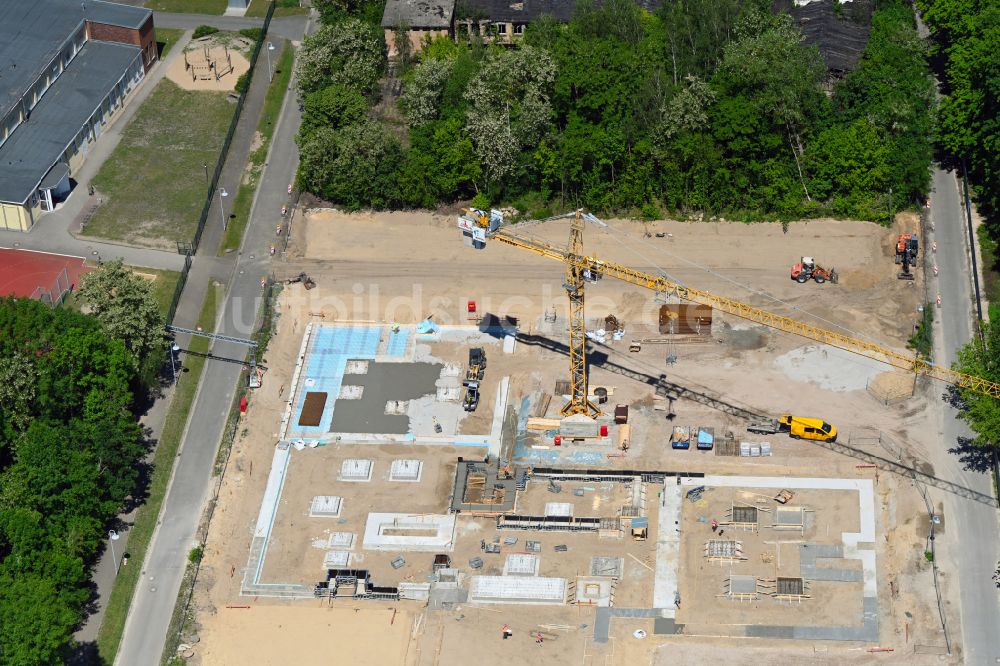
<point x="405" y="266"/>
<point x="192" y="72"/>
<point x="312" y="633"/>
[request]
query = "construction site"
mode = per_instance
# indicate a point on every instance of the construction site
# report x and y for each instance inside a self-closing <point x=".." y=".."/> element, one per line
<point x="453" y="447"/>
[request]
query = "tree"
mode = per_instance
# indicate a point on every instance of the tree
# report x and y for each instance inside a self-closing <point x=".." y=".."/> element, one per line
<point x="356" y="166"/>
<point x="421" y="98"/>
<point x="981" y="358"/>
<point x="17" y="390"/>
<point x="332" y="107"/>
<point x="768" y="64"/>
<point x="852" y="167"/>
<point x="125" y="305"/>
<point x="350" y="53"/>
<point x="509" y="107"/>
<point x="687" y="111"/>
<point x="892" y="90"/>
<point x="441" y="164"/>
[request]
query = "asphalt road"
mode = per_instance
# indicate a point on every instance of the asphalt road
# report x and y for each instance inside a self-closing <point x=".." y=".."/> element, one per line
<point x="972" y="526"/>
<point x="153" y="604"/>
<point x="289" y="27"/>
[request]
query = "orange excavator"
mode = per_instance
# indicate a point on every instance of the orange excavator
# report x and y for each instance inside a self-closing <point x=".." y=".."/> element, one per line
<point x="907" y="249"/>
<point x="807" y="270"/>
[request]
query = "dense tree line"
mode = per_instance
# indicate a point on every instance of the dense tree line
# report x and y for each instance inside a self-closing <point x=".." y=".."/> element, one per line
<point x="966" y="35"/>
<point x="70" y="452"/>
<point x="701" y="107"/>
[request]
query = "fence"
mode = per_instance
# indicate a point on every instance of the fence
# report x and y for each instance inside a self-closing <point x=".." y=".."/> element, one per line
<point x="53" y="295"/>
<point x="179" y="289"/>
<point x="202" y="221"/>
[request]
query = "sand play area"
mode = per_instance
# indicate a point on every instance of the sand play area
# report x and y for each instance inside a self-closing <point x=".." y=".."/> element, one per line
<point x="210" y="63"/>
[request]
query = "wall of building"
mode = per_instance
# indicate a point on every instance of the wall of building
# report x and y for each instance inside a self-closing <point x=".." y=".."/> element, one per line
<point x="417" y="37"/>
<point x="14" y="217"/>
<point x="147" y="42"/>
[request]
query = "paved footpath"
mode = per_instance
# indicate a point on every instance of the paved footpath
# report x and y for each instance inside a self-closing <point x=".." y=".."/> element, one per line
<point x="153" y="604"/>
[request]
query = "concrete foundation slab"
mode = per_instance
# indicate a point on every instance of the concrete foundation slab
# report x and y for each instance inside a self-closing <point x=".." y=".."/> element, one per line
<point x="356" y="469"/>
<point x="405" y="470"/>
<point x="517" y="590"/>
<point x="520" y="565"/>
<point x="405" y="532"/>
<point x="325" y="506"/>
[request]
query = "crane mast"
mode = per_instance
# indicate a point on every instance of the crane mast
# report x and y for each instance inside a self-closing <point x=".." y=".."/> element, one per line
<point x="581" y="268"/>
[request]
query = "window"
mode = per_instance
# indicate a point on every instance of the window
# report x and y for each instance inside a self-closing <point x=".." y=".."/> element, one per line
<point x="518" y="28"/>
<point x="501" y="28"/>
<point x="827" y="427"/>
<point x="810" y="430"/>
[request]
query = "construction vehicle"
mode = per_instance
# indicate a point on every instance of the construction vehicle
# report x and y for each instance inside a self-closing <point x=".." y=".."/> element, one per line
<point x="480" y="227"/>
<point x="471" y="400"/>
<point x="907" y="249"/>
<point x="473" y="375"/>
<point x="477" y="364"/>
<point x="807" y="270"/>
<point x="797" y="427"/>
<point x="306" y="281"/>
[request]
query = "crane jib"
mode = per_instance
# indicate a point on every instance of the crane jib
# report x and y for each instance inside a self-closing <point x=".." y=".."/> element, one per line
<point x="598" y="267"/>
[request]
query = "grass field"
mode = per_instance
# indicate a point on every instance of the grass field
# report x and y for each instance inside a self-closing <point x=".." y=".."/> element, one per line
<point x="153" y="185"/>
<point x="165" y="39"/>
<point x="110" y="635"/>
<point x="214" y="7"/>
<point x="282" y="8"/>
<point x="265" y="127"/>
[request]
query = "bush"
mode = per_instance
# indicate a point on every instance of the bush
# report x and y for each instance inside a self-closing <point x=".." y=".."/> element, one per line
<point x="241" y="83"/>
<point x="194" y="557"/>
<point x="481" y="201"/>
<point x="204" y="31"/>
<point x="650" y="212"/>
<point x="252" y="34"/>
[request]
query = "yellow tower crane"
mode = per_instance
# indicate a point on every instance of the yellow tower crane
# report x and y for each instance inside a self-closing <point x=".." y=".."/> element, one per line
<point x="580" y="269"/>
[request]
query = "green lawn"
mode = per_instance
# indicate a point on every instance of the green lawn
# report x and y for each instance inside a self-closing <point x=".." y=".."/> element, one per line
<point x="110" y="635"/>
<point x="164" y="285"/>
<point x="214" y="7"/>
<point x="153" y="185"/>
<point x="265" y="127"/>
<point x="283" y="8"/>
<point x="166" y="38"/>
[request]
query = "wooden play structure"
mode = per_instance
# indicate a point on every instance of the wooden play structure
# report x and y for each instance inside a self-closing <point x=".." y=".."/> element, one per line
<point x="206" y="63"/>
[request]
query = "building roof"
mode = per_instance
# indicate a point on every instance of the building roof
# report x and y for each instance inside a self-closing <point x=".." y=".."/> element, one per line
<point x="418" y="13"/>
<point x="39" y="142"/>
<point x="33" y="31"/>
<point x="508" y="11"/>
<point x="840" y="39"/>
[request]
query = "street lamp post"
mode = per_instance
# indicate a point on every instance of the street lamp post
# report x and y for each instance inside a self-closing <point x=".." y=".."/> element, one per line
<point x="205" y="166"/>
<point x="222" y="206"/>
<point x="270" y="72"/>
<point x="173" y="368"/>
<point x="113" y="536"/>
